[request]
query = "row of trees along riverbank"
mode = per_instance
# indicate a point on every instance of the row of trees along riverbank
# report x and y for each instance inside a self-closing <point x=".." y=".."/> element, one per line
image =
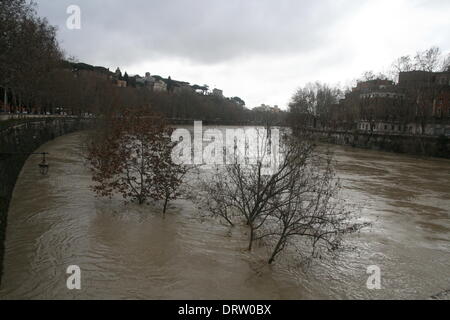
<point x="36" y="78"/>
<point x="413" y="97"/>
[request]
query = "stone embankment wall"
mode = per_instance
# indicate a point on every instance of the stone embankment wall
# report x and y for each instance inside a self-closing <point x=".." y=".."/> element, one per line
<point x="411" y="144"/>
<point x="16" y="142"/>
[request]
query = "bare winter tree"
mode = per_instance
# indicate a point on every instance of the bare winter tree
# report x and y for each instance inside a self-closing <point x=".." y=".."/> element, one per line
<point x="368" y="75"/>
<point x="244" y="189"/>
<point x="309" y="213"/>
<point x="296" y="200"/>
<point x="403" y="64"/>
<point x="219" y="198"/>
<point x="446" y="63"/>
<point x="168" y="176"/>
<point x="313" y="102"/>
<point x="429" y="60"/>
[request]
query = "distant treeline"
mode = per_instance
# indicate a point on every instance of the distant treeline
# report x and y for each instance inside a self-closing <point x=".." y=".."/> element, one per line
<point x="36" y="78"/>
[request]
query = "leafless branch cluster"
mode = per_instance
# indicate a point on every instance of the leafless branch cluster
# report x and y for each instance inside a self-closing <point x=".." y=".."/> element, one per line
<point x="297" y="202"/>
<point x="132" y="156"/>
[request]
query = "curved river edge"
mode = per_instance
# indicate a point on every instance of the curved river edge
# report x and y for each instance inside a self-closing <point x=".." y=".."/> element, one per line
<point x="20" y="141"/>
<point x="130" y="252"/>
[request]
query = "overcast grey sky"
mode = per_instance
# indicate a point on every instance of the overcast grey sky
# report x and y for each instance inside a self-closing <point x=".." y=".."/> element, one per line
<point x="259" y="50"/>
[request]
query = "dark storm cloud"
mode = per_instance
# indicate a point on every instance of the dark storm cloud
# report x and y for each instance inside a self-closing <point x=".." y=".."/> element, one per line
<point x="202" y="31"/>
<point x="260" y="50"/>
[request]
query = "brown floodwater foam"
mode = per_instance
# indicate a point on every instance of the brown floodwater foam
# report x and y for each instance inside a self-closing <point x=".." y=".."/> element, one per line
<point x="130" y="252"/>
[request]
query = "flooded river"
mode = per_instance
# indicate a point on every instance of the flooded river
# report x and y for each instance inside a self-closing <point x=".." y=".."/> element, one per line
<point x="130" y="252"/>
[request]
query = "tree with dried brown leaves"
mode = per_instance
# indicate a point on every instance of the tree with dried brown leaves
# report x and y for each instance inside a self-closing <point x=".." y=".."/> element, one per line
<point x="133" y="157"/>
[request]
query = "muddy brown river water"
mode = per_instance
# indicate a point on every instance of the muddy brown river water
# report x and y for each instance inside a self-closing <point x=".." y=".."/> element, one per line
<point x="130" y="252"/>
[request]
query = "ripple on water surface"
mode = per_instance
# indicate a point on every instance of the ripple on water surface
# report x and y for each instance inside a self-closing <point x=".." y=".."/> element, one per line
<point x="130" y="252"/>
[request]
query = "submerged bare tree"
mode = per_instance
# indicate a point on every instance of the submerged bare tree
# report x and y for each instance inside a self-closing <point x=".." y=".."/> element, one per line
<point x="296" y="199"/>
<point x="312" y="104"/>
<point x="446" y="63"/>
<point x="168" y="176"/>
<point x="243" y="188"/>
<point x="310" y="213"/>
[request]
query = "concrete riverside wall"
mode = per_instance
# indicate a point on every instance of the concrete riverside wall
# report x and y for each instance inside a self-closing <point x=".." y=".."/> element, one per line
<point x="25" y="138"/>
<point x="411" y="144"/>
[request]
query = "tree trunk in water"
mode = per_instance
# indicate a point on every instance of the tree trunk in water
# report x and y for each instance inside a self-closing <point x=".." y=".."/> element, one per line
<point x="276" y="250"/>
<point x="250" y="242"/>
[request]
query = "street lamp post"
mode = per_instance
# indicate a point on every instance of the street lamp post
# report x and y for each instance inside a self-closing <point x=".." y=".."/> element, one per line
<point x="43" y="166"/>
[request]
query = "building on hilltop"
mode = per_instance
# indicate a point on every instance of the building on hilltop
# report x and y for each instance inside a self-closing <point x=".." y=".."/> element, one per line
<point x="180" y="86"/>
<point x="118" y="79"/>
<point x="200" y="89"/>
<point x="120" y="83"/>
<point x="148" y="81"/>
<point x="267" y="108"/>
<point x="217" y="93"/>
<point x="160" y="85"/>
